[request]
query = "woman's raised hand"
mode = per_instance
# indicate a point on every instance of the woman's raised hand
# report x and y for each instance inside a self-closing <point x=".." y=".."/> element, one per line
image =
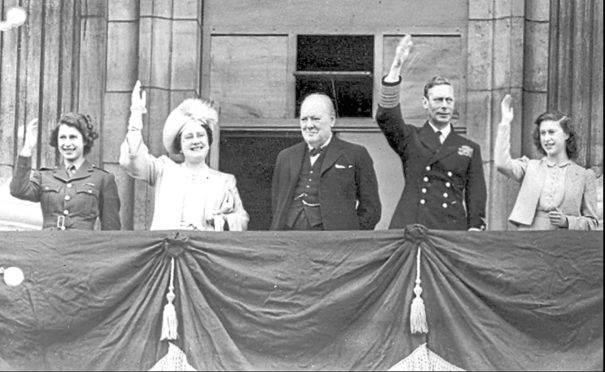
<point x="507" y="109"/>
<point x="31" y="138"/>
<point x="138" y="102"/>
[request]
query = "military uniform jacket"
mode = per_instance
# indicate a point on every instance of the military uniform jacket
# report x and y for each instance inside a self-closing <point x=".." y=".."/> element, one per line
<point x="69" y="202"/>
<point x="444" y="183"/>
<point x="348" y="189"/>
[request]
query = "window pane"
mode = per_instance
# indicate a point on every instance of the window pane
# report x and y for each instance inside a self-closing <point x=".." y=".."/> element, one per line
<point x="340" y="66"/>
<point x="352" y="97"/>
<point x="248" y="76"/>
<point x="335" y="53"/>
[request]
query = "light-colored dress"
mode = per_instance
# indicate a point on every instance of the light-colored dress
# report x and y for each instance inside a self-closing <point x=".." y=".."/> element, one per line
<point x="546" y="186"/>
<point x="185" y="200"/>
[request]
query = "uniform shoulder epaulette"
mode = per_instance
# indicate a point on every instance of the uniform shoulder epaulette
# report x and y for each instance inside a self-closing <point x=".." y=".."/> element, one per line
<point x="101" y="169"/>
<point x="47" y="169"/>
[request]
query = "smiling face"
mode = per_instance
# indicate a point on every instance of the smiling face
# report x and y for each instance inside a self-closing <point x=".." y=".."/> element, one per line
<point x="70" y="143"/>
<point x="194" y="142"/>
<point x="439" y="103"/>
<point x="316" y="119"/>
<point x="553" y="138"/>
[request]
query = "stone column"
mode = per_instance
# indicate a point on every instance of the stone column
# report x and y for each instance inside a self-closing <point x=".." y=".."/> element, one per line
<point x="495" y="68"/>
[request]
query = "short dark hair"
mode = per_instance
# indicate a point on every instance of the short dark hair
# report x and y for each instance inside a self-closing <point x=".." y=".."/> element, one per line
<point x="177" y="138"/>
<point x="434" y="81"/>
<point x="83" y="123"/>
<point x="571" y="144"/>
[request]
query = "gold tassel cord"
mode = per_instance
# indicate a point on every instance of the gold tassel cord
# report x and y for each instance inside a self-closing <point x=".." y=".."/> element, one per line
<point x="169" y="319"/>
<point x="418" y="323"/>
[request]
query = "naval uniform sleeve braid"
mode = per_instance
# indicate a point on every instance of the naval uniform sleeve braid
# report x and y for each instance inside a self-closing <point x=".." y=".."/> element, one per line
<point x="389" y="95"/>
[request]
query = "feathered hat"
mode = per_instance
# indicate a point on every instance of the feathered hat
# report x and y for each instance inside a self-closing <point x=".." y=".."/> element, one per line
<point x="191" y="108"/>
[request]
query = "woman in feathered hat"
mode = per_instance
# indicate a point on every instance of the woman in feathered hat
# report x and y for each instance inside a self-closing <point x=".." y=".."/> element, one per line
<point x="188" y="195"/>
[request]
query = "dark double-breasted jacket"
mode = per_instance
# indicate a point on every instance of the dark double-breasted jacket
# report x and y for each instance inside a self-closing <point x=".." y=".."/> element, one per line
<point x="348" y="189"/>
<point x="69" y="202"/>
<point x="444" y="183"/>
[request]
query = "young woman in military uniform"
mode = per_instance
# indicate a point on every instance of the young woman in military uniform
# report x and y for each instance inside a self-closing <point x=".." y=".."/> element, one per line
<point x="72" y="196"/>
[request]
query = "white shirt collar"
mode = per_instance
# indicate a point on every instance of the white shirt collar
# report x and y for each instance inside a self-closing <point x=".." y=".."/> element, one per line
<point x="444" y="132"/>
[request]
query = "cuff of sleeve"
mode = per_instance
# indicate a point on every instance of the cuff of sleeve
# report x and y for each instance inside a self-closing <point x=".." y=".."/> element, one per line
<point x="24" y="162"/>
<point x="478" y="225"/>
<point x="389" y="97"/>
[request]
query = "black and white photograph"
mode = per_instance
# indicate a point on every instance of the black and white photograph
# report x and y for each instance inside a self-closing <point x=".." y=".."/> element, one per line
<point x="308" y="185"/>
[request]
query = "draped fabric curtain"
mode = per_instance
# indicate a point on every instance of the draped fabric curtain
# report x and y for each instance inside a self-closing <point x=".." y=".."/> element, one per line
<point x="303" y="301"/>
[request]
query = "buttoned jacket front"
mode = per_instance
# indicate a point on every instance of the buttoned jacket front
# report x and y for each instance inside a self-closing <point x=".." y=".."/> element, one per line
<point x="444" y="183"/>
<point x="69" y="202"/>
<point x="348" y="189"/>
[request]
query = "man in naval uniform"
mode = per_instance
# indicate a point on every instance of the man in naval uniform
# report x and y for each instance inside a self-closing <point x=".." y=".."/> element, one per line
<point x="444" y="183"/>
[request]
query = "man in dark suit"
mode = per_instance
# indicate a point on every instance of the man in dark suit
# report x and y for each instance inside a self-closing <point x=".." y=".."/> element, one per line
<point x="323" y="183"/>
<point x="444" y="182"/>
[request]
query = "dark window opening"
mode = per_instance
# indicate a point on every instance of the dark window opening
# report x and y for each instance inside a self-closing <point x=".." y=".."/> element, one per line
<point x="340" y="66"/>
<point x="251" y="156"/>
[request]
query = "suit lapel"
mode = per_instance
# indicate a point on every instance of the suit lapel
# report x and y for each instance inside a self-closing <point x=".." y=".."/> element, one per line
<point x="296" y="162"/>
<point x="427" y="136"/>
<point x="331" y="153"/>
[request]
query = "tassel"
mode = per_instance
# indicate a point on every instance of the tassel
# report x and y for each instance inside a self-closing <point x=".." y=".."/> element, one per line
<point x="170" y="323"/>
<point x="418" y="323"/>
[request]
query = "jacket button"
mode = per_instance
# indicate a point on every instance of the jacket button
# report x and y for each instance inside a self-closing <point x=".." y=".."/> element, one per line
<point x="423" y="190"/>
<point x="66" y="212"/>
<point x="422" y="201"/>
<point x="425" y="179"/>
<point x="445" y="194"/>
<point x="447" y="184"/>
<point x="90" y="191"/>
<point x="67" y="197"/>
<point x="444" y="205"/>
<point x="449" y="174"/>
<point x="69" y="185"/>
<point x="428" y="168"/>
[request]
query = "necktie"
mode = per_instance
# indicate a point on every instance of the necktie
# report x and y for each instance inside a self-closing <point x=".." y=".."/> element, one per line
<point x="438" y="133"/>
<point x="315" y="151"/>
<point x="71" y="170"/>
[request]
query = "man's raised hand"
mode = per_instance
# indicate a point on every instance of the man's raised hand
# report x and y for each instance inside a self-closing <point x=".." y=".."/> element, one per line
<point x="401" y="54"/>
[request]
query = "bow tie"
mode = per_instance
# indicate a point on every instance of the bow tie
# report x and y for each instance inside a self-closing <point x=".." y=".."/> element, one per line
<point x="316" y="151"/>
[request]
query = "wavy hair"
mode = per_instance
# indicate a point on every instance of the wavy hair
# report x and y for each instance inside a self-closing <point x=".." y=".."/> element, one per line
<point x="571" y="144"/>
<point x="84" y="125"/>
<point x="434" y="81"/>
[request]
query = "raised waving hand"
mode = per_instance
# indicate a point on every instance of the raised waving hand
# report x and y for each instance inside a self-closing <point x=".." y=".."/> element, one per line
<point x="138" y="102"/>
<point x="31" y="138"/>
<point x="401" y="54"/>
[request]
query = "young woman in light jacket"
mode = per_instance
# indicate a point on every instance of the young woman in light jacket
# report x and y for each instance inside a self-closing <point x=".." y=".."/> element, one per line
<point x="188" y="195"/>
<point x="555" y="193"/>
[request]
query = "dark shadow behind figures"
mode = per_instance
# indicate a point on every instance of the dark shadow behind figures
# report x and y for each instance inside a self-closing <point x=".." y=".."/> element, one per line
<point x="250" y="156"/>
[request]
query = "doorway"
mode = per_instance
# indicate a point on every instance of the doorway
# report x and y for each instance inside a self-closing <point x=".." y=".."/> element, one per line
<point x="250" y="156"/>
